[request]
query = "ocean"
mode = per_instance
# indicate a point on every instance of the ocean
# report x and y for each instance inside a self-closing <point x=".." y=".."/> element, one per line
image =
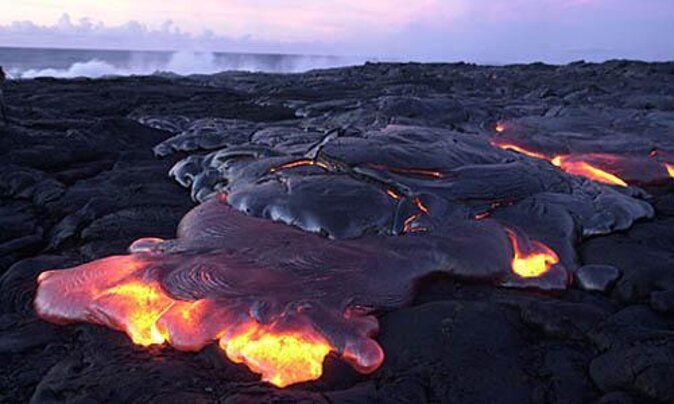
<point x="68" y="63"/>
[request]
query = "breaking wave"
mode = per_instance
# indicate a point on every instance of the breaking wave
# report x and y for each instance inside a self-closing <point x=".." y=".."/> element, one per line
<point x="186" y="63"/>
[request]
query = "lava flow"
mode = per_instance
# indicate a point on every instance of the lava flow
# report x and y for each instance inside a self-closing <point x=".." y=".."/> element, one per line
<point x="520" y="150"/>
<point x="120" y="297"/>
<point x="535" y="261"/>
<point x="282" y="358"/>
<point x="300" y="163"/>
<point x="414" y="171"/>
<point x="575" y="165"/>
<point x="274" y="297"/>
<point x="141" y="306"/>
<point x="582" y="168"/>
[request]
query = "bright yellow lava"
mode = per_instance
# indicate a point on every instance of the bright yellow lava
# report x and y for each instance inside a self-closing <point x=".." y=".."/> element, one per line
<point x="282" y="358"/>
<point x="670" y="169"/>
<point x="532" y="264"/>
<point x="142" y="305"/>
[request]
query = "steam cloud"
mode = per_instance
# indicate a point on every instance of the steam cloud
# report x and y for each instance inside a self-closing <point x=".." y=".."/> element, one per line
<point x="185" y="63"/>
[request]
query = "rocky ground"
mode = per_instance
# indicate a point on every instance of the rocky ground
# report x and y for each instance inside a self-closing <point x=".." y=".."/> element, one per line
<point x="84" y="172"/>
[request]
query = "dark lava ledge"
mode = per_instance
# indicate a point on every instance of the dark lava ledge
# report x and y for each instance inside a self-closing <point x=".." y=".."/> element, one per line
<point x="79" y="181"/>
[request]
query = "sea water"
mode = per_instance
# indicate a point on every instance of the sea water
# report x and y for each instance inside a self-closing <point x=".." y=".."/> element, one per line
<point x="35" y="62"/>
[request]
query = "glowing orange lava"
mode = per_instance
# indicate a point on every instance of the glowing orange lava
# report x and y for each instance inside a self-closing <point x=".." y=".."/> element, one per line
<point x="519" y="149"/>
<point x="393" y="194"/>
<point x="533" y="263"/>
<point x="142" y="306"/>
<point x="282" y="358"/>
<point x="499" y="127"/>
<point x="142" y="309"/>
<point x="585" y="169"/>
<point x="299" y="163"/>
<point x="420" y="205"/>
<point x="574" y="165"/>
<point x="482" y="215"/>
<point x="414" y="171"/>
<point x="670" y="169"/>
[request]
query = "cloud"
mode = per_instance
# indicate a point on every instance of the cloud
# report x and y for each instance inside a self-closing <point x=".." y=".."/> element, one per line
<point x="481" y="31"/>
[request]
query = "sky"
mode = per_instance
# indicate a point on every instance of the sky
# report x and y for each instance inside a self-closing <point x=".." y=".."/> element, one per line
<point x="484" y="31"/>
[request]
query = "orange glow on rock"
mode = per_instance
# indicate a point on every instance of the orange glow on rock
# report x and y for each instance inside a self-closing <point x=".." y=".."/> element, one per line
<point x="519" y="149"/>
<point x="482" y="215"/>
<point x="407" y="227"/>
<point x="572" y="164"/>
<point x="299" y="163"/>
<point x="670" y="169"/>
<point x="415" y="171"/>
<point x="420" y="205"/>
<point x="533" y="263"/>
<point x="282" y="358"/>
<point x="393" y="194"/>
<point x="499" y="127"/>
<point x="585" y="169"/>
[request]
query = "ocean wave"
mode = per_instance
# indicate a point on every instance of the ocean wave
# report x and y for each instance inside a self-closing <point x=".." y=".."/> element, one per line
<point x="187" y="63"/>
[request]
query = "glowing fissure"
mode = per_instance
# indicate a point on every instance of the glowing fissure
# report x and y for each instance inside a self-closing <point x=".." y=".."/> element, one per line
<point x="519" y="149"/>
<point x="415" y="171"/>
<point x="299" y="163"/>
<point x="533" y="263"/>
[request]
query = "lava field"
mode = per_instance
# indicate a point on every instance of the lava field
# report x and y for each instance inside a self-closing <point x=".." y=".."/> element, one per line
<point x="385" y="232"/>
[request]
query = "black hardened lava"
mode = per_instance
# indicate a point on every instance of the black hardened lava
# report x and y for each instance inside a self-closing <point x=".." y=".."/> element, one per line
<point x="406" y="185"/>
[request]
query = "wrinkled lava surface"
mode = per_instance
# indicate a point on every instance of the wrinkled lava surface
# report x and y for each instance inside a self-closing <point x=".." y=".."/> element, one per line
<point x="439" y="216"/>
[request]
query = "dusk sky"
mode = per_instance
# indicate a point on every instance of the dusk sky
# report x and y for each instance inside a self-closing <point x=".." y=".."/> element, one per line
<point x="442" y="30"/>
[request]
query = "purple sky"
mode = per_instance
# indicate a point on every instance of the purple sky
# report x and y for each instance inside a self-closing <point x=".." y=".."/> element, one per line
<point x="495" y="31"/>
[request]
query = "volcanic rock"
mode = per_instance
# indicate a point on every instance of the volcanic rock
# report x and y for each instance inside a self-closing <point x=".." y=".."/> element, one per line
<point x="346" y="156"/>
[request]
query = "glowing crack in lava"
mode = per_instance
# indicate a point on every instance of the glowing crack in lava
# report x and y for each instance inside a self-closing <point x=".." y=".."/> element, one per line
<point x="584" y="169"/>
<point x="608" y="168"/>
<point x="574" y="165"/>
<point x="519" y="149"/>
<point x="274" y="297"/>
<point x="533" y="263"/>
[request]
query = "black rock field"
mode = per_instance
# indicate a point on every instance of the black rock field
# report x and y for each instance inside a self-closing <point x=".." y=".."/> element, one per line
<point x="392" y="209"/>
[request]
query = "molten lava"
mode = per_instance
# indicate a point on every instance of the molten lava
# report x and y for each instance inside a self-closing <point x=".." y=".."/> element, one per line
<point x="420" y="205"/>
<point x="122" y="297"/>
<point x="414" y="171"/>
<point x="519" y="149"/>
<point x="282" y="358"/>
<point x="141" y="306"/>
<point x="574" y="164"/>
<point x="393" y="194"/>
<point x="535" y="261"/>
<point x="584" y="169"/>
<point x="670" y="169"/>
<point x="299" y="163"/>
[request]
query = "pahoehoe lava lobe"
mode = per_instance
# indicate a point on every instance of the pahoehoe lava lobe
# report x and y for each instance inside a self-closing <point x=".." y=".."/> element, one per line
<point x="228" y="275"/>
